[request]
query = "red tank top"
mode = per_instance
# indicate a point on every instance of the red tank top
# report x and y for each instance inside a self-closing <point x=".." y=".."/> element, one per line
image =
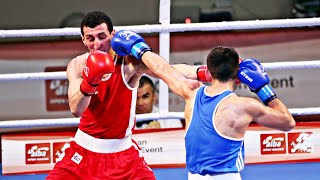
<point x="111" y="112"/>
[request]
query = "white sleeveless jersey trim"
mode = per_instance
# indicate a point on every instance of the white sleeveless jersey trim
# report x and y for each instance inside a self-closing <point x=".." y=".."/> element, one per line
<point x="240" y="161"/>
<point x="193" y="101"/>
<point x="132" y="112"/>
<point x="124" y="79"/>
<point x="214" y="124"/>
<point x="214" y="112"/>
<point x="133" y="101"/>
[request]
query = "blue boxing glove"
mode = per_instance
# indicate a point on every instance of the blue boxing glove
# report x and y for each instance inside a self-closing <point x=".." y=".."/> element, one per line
<point x="252" y="73"/>
<point x="126" y="42"/>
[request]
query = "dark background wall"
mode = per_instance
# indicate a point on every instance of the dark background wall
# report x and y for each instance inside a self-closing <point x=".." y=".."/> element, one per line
<point x="17" y="14"/>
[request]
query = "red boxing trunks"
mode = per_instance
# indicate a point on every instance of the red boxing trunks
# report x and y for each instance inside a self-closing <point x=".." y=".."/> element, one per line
<point x="100" y="160"/>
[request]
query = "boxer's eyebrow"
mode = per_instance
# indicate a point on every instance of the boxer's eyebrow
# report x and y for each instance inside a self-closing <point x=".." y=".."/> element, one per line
<point x="146" y="95"/>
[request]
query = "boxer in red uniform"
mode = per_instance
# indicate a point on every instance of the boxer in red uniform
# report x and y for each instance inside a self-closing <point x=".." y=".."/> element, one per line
<point x="102" y="91"/>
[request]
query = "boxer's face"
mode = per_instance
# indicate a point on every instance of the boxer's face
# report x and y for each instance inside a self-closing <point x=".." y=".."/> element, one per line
<point x="97" y="38"/>
<point x="145" y="98"/>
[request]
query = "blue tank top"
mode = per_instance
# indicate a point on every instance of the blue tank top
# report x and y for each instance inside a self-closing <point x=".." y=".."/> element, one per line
<point x="207" y="150"/>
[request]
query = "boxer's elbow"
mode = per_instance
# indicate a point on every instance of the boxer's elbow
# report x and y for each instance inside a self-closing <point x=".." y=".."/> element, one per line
<point x="75" y="112"/>
<point x="291" y="123"/>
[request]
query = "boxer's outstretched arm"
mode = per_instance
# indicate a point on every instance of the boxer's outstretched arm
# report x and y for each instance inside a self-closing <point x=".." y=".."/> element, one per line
<point x="130" y="43"/>
<point x="187" y="71"/>
<point x="200" y="73"/>
<point x="175" y="80"/>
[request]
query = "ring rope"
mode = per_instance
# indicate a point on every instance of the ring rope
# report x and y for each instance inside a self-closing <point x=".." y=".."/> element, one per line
<point x="34" y="76"/>
<point x="139" y="118"/>
<point x="214" y="26"/>
<point x="157" y="28"/>
<point x="315" y="64"/>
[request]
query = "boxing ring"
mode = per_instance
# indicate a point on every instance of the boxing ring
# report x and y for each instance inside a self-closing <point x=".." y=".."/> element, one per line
<point x="252" y="171"/>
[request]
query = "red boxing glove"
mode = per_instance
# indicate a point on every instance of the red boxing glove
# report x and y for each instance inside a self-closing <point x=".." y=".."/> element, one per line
<point x="238" y="80"/>
<point x="98" y="64"/>
<point x="203" y="74"/>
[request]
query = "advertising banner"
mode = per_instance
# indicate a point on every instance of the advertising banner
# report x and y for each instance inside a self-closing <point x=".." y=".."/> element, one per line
<point x="37" y="153"/>
<point x="57" y="91"/>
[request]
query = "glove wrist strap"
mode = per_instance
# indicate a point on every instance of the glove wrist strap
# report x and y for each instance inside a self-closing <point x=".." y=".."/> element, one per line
<point x="266" y="94"/>
<point x="139" y="49"/>
<point x="87" y="89"/>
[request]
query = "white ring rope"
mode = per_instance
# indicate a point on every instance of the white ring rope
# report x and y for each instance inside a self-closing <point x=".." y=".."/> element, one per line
<point x="315" y="64"/>
<point x="157" y="28"/>
<point x="214" y="26"/>
<point x="139" y="117"/>
<point x="33" y="76"/>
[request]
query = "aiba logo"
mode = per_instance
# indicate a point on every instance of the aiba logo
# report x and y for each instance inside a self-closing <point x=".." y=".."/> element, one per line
<point x="272" y="143"/>
<point x="38" y="153"/>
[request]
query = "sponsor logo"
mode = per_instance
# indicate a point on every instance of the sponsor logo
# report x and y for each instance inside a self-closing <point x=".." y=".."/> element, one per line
<point x="301" y="142"/>
<point x="76" y="158"/>
<point x="125" y="35"/>
<point x="37" y="153"/>
<point x="59" y="150"/>
<point x="246" y="76"/>
<point x="272" y="143"/>
<point x="59" y="87"/>
<point x="57" y="92"/>
<point x="86" y="70"/>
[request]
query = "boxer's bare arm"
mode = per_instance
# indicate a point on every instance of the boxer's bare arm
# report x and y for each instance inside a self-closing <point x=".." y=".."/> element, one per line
<point x="275" y="116"/>
<point x="179" y="84"/>
<point x="187" y="71"/>
<point x="77" y="101"/>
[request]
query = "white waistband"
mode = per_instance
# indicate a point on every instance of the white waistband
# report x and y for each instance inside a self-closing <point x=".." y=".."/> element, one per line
<point x="226" y="176"/>
<point x="102" y="145"/>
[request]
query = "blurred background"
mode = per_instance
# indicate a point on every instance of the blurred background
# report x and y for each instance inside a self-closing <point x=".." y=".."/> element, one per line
<point x="28" y="100"/>
<point x="17" y="14"/>
<point x="48" y="99"/>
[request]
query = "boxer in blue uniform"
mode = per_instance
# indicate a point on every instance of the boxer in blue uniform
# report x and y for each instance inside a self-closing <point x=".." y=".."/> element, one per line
<point x="216" y="117"/>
